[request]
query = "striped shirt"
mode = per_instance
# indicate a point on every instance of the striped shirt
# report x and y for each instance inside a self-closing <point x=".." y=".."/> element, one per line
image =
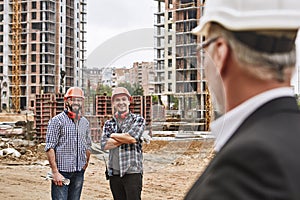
<point x="69" y="140"/>
<point x="130" y="155"/>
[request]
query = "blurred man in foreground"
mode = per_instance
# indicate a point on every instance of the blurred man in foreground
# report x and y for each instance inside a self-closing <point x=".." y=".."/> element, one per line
<point x="249" y="58"/>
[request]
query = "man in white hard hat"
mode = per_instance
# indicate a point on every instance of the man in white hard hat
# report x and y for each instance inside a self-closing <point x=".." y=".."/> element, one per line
<point x="122" y="136"/>
<point x="249" y="58"/>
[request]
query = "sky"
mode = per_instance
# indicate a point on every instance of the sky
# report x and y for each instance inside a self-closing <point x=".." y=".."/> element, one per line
<point x="109" y="20"/>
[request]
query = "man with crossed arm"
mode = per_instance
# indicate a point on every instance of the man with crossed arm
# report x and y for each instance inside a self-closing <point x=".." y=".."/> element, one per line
<point x="122" y="136"/>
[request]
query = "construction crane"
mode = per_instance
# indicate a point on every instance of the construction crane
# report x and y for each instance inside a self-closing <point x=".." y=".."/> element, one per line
<point x="16" y="41"/>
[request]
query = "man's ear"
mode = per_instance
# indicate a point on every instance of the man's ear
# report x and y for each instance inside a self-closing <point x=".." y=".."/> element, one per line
<point x="221" y="55"/>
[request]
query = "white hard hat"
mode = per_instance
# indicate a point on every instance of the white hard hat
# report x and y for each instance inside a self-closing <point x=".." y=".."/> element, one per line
<point x="240" y="15"/>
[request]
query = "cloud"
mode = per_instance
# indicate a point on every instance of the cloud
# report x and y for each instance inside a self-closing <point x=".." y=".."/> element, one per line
<point x="121" y="45"/>
<point x="107" y="19"/>
<point x="120" y="14"/>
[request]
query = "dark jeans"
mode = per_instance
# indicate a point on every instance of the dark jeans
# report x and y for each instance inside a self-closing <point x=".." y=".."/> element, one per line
<point x="128" y="187"/>
<point x="71" y="191"/>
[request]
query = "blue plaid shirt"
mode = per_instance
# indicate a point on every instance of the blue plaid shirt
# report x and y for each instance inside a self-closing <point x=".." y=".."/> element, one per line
<point x="69" y="140"/>
<point x="130" y="155"/>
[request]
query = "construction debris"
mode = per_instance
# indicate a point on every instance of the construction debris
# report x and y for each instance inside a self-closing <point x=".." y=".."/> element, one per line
<point x="10" y="151"/>
<point x="19" y="151"/>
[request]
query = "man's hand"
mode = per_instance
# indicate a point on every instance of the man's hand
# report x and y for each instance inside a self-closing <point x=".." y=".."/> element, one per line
<point x="57" y="178"/>
<point x="88" y="154"/>
<point x="85" y="166"/>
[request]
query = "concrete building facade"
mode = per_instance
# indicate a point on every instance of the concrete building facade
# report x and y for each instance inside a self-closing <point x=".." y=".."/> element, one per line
<point x="52" y="48"/>
<point x="145" y="74"/>
<point x="178" y="73"/>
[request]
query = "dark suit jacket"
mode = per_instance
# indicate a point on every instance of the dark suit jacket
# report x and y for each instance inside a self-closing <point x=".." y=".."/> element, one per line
<point x="261" y="161"/>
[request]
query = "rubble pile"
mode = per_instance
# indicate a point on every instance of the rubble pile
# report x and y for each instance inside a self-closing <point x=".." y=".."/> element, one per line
<point x="24" y="152"/>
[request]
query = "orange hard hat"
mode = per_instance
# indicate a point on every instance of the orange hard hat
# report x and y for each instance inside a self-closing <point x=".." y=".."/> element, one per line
<point x="74" y="92"/>
<point x="120" y="90"/>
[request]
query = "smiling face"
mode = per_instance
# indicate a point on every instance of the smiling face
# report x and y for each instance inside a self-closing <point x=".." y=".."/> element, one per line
<point x="121" y="103"/>
<point x="74" y="104"/>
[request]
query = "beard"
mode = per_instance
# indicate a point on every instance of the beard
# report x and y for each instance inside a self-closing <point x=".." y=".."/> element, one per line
<point x="74" y="108"/>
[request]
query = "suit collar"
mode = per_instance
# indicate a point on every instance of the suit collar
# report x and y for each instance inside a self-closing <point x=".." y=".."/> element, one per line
<point x="224" y="127"/>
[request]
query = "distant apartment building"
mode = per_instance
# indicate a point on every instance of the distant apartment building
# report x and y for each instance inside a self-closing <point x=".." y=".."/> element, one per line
<point x="121" y="76"/>
<point x="178" y="73"/>
<point x="145" y="75"/>
<point x="141" y="73"/>
<point x="52" y="47"/>
<point x="92" y="78"/>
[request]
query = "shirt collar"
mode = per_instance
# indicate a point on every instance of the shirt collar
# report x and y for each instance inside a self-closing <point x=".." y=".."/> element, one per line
<point x="224" y="127"/>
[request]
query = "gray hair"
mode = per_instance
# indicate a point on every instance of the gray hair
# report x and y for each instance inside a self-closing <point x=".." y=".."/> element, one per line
<point x="265" y="66"/>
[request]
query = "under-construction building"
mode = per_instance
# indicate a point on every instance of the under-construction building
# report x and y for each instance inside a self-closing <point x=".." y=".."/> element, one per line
<point x="178" y="73"/>
<point x="42" y="48"/>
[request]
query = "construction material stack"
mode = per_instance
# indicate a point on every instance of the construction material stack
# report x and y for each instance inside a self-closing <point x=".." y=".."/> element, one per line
<point x="46" y="107"/>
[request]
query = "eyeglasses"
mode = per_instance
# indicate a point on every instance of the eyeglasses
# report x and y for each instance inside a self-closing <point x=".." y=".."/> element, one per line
<point x="206" y="43"/>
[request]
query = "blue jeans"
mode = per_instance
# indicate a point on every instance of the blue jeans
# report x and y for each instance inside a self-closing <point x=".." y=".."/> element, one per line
<point x="71" y="191"/>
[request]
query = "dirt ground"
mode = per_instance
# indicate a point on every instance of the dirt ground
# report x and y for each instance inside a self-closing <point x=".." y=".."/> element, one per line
<point x="170" y="168"/>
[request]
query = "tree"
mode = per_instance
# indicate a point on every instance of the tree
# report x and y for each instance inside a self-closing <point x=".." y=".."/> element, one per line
<point x="174" y="100"/>
<point x="138" y="89"/>
<point x="127" y="86"/>
<point x="103" y="90"/>
<point x="154" y="99"/>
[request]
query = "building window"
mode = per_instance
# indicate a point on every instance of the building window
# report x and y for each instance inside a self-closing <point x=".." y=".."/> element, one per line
<point x="170" y="16"/>
<point x="169" y="62"/>
<point x="33" y="36"/>
<point x="32" y="103"/>
<point x="169" y="75"/>
<point x="170" y="87"/>
<point x="169" y="39"/>
<point x="33" y="58"/>
<point x="33" y="68"/>
<point x="33" y="15"/>
<point x="33" y="90"/>
<point x="33" y="79"/>
<point x="169" y="51"/>
<point x="33" y="5"/>
<point x="33" y="47"/>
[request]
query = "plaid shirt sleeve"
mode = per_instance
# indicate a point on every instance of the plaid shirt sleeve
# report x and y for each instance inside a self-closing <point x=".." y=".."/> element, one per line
<point x="52" y="135"/>
<point x="88" y="137"/>
<point x="137" y="128"/>
<point x="108" y="129"/>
